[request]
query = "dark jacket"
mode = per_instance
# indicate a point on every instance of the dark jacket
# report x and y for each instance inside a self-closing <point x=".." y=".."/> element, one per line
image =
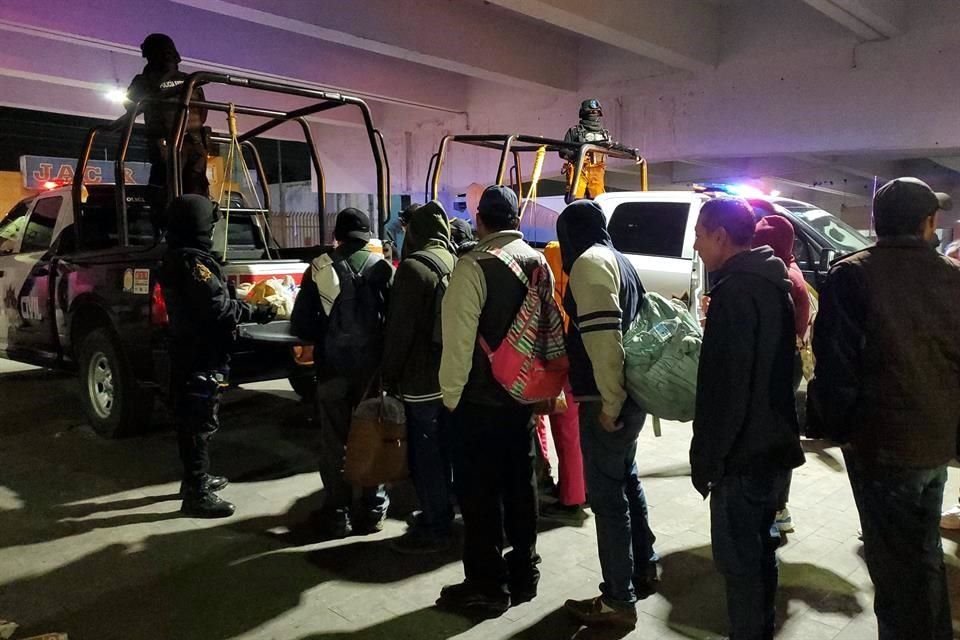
<point x="159" y="118"/>
<point x="309" y="320"/>
<point x="483" y="300"/>
<point x="203" y="314"/>
<point x="887" y="344"/>
<point x="411" y="360"/>
<point x="746" y="417"/>
<point x="584" y="241"/>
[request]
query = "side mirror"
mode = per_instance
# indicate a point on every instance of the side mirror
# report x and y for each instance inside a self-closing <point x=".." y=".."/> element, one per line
<point x="827" y="256"/>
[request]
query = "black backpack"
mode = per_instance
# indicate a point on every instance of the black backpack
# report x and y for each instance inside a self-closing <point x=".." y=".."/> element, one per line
<point x="439" y="269"/>
<point x="353" y="341"/>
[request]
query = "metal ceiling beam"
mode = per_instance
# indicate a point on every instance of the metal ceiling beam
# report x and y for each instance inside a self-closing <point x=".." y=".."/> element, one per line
<point x="868" y="19"/>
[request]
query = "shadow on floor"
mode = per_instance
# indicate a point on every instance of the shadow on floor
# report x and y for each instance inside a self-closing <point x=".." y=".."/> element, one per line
<point x="696" y="592"/>
<point x="819" y="449"/>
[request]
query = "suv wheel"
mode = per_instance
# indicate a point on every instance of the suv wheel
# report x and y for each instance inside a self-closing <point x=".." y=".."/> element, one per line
<point x="113" y="401"/>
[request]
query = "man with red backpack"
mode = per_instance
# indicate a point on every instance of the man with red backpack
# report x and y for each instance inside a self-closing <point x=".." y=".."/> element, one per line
<point x="494" y="447"/>
<point x="603" y="298"/>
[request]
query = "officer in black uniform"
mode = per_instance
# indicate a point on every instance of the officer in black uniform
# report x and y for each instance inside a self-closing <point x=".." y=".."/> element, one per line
<point x="162" y="73"/>
<point x="203" y="321"/>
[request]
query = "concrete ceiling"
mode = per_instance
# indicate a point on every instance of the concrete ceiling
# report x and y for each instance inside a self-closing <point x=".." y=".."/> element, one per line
<point x="673" y="70"/>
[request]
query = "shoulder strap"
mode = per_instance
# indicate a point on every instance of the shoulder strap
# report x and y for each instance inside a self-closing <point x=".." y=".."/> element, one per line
<point x="431" y="262"/>
<point x="510" y="261"/>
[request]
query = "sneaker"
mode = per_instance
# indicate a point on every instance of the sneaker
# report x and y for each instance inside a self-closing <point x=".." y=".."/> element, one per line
<point x="365" y="524"/>
<point x="567" y="514"/>
<point x="784" y="521"/>
<point x="950" y="519"/>
<point x="597" y="613"/>
<point x="417" y="541"/>
<point x="208" y="484"/>
<point x="206" y="505"/>
<point x="467" y="596"/>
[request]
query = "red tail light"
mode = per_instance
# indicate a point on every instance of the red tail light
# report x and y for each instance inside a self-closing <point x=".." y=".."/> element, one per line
<point x="158" y="307"/>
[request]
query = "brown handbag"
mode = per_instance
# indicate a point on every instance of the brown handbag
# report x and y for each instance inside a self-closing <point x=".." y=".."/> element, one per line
<point x="377" y="442"/>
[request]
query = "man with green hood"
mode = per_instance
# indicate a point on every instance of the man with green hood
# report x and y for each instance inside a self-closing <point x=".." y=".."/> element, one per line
<point x="411" y="367"/>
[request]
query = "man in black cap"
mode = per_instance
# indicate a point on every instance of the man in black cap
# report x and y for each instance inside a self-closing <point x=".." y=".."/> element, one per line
<point x="887" y="347"/>
<point x="493" y="460"/>
<point x="203" y="318"/>
<point x="341" y="308"/>
<point x="162" y="74"/>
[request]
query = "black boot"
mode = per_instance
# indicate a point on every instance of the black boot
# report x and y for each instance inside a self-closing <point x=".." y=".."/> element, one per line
<point x="208" y="484"/>
<point x="206" y="504"/>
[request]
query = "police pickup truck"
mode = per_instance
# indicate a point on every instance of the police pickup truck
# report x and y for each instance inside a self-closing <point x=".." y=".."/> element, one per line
<point x="75" y="297"/>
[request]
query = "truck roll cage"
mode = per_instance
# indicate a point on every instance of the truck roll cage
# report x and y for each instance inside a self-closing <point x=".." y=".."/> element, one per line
<point x="182" y="98"/>
<point x="513" y="145"/>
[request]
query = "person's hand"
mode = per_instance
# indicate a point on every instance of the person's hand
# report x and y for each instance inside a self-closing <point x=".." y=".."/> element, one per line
<point x="263" y="313"/>
<point x="609" y="424"/>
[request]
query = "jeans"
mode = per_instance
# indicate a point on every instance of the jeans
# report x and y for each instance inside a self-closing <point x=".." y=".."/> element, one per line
<point x="430" y="464"/>
<point x="335" y="401"/>
<point x="496" y="486"/>
<point x="624" y="539"/>
<point x="900" y="517"/>
<point x="742" y="511"/>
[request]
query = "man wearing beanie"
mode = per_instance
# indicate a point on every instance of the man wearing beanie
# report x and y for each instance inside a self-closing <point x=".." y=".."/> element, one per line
<point x="887" y="345"/>
<point x="494" y="450"/>
<point x="341" y="309"/>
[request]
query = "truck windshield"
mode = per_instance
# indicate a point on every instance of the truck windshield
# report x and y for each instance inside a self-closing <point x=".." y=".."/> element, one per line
<point x="844" y="238"/>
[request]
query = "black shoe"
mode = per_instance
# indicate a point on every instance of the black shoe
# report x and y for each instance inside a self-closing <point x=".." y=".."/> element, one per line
<point x="466" y="596"/>
<point x="331" y="525"/>
<point x="520" y="593"/>
<point x="417" y="541"/>
<point x="646" y="585"/>
<point x="208" y="484"/>
<point x="206" y="505"/>
<point x="594" y="612"/>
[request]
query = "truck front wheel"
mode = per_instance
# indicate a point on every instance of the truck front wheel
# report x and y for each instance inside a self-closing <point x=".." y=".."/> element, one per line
<point x="114" y="402"/>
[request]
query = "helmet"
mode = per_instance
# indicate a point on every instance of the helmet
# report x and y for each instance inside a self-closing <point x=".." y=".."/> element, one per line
<point x="158" y="46"/>
<point x="591" y="109"/>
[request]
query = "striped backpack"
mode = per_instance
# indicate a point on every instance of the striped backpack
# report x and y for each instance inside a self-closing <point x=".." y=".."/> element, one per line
<point x="662" y="356"/>
<point x="531" y="361"/>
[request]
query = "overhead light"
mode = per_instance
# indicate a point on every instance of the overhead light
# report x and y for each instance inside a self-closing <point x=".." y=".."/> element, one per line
<point x="116" y="95"/>
<point x="774" y="194"/>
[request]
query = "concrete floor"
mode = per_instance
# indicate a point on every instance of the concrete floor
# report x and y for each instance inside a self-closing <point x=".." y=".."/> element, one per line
<point x="91" y="541"/>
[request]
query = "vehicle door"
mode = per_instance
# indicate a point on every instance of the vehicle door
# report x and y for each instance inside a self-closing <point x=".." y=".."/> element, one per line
<point x="32" y="330"/>
<point x="657" y="237"/>
<point x="12" y="271"/>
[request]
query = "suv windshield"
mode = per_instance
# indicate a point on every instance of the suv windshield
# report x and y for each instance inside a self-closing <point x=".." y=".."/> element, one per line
<point x="845" y="238"/>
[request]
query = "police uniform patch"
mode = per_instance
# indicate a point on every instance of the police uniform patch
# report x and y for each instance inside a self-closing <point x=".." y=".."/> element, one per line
<point x="202" y="273"/>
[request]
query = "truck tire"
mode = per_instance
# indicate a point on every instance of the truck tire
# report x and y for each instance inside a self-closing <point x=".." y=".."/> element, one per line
<point x="304" y="384"/>
<point x="115" y="404"/>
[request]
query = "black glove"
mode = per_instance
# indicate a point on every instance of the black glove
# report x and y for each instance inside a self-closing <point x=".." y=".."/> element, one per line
<point x="263" y="312"/>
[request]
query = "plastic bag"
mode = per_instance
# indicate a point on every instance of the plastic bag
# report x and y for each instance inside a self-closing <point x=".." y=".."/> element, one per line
<point x="281" y="294"/>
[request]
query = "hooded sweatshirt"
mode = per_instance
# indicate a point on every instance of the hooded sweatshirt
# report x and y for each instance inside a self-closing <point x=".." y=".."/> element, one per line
<point x="203" y="314"/>
<point x="746" y="418"/>
<point x="603" y="297"/>
<point x="411" y="360"/>
<point x="777" y="232"/>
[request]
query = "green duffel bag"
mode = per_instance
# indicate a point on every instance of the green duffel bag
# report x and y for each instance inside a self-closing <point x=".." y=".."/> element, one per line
<point x="662" y="350"/>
